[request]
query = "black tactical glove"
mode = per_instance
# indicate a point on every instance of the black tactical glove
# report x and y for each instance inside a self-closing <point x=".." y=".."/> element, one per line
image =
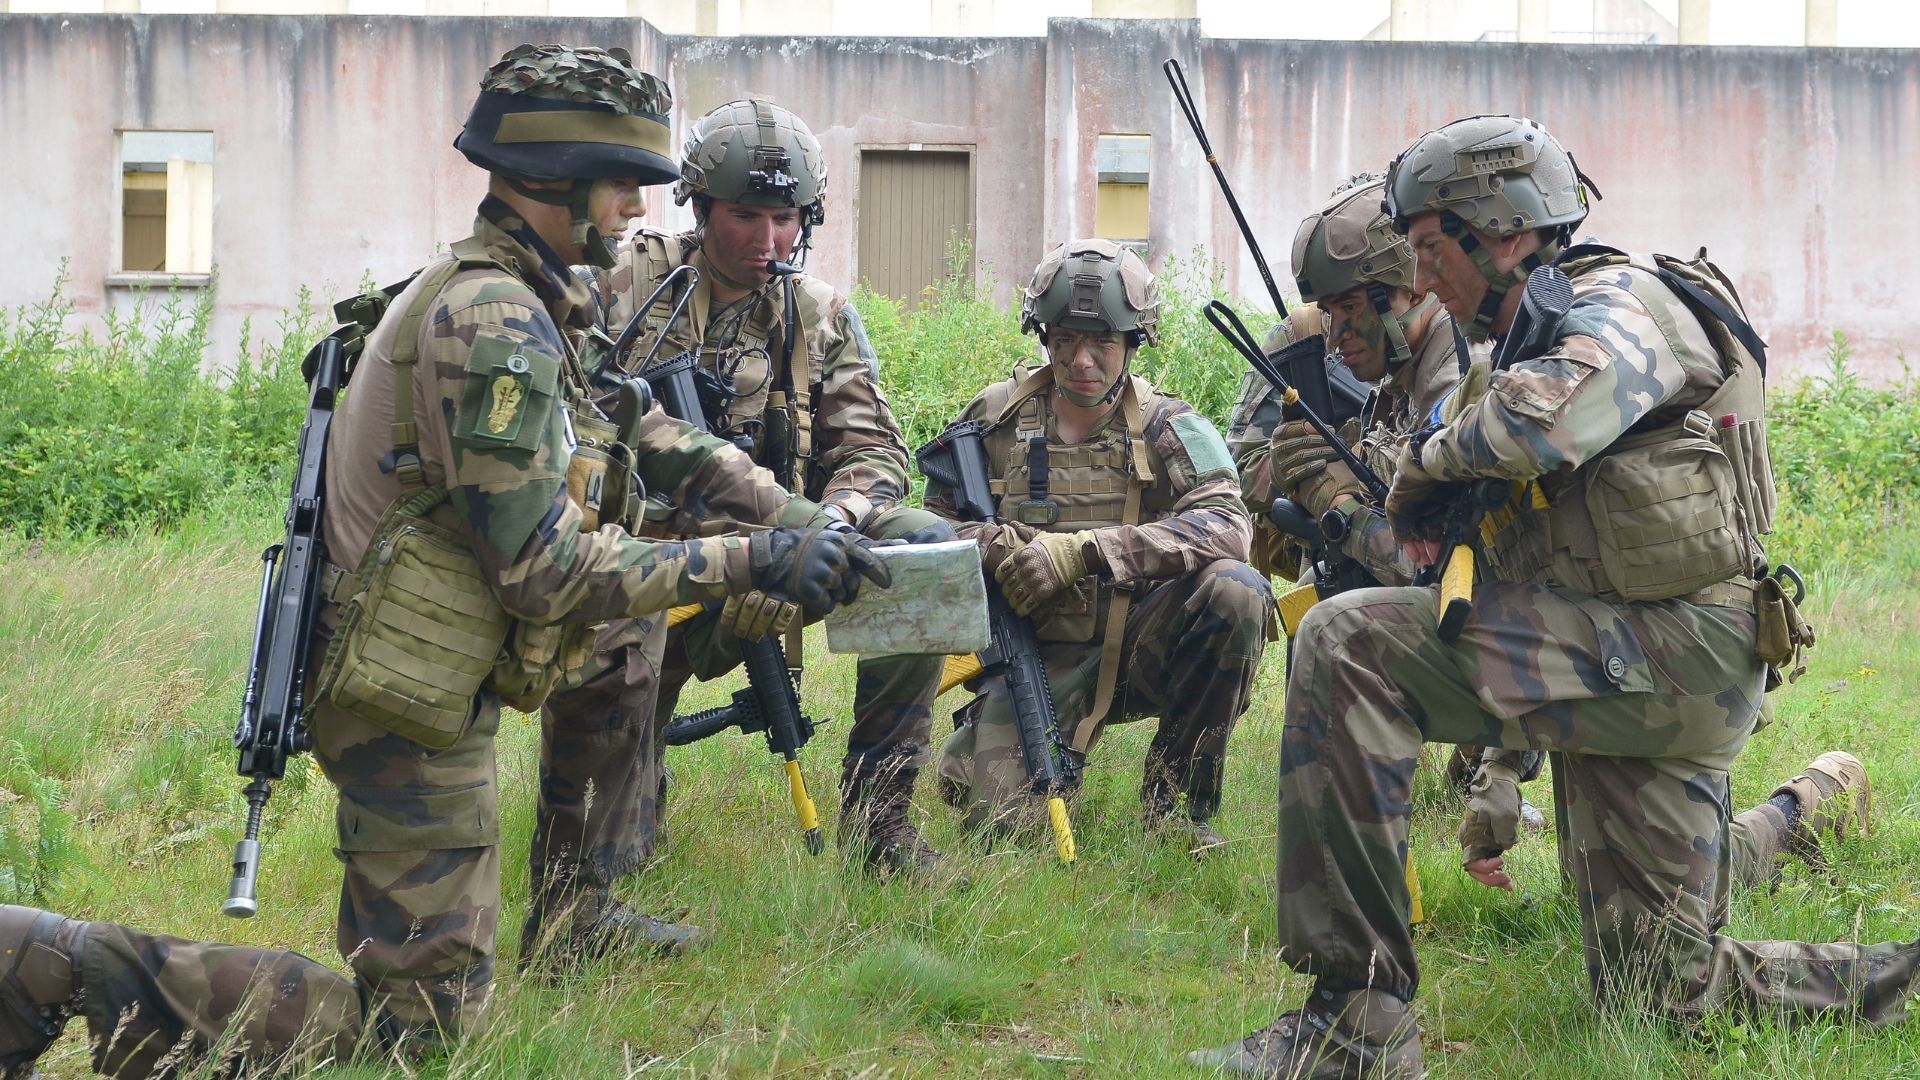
<point x="819" y="569"/>
<point x="938" y="532"/>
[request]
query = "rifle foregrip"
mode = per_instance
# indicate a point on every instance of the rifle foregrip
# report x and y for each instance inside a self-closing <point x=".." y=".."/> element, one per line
<point x="1456" y="592"/>
<point x="693" y="727"/>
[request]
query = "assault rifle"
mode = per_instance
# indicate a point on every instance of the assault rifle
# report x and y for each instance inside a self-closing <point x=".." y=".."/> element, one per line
<point x="1547" y="298"/>
<point x="957" y="458"/>
<point x="771" y="702"/>
<point x="271" y="727"/>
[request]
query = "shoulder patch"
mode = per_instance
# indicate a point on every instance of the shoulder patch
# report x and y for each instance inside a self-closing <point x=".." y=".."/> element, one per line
<point x="1202" y="442"/>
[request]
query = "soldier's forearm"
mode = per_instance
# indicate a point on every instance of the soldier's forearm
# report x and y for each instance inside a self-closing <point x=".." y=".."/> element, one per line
<point x="865" y="485"/>
<point x="1175" y="545"/>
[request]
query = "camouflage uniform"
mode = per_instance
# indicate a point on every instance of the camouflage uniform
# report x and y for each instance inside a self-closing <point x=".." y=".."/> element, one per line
<point x="419" y="832"/>
<point x="1199" y="616"/>
<point x="1553" y="658"/>
<point x="856" y="462"/>
<point x="1757" y="839"/>
<point x="1400" y="406"/>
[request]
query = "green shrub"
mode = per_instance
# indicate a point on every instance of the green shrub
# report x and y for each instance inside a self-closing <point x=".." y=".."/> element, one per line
<point x="936" y="357"/>
<point x="104" y="434"/>
<point x="1846" y="463"/>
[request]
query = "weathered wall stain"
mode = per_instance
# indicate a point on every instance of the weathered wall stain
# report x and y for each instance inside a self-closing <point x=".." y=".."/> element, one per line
<point x="334" y="159"/>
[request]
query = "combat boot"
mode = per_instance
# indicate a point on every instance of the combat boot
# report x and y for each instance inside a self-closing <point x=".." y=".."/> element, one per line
<point x="39" y="984"/>
<point x="1199" y="837"/>
<point x="1163" y="814"/>
<point x="874" y="821"/>
<point x="1360" y="1035"/>
<point x="1834" y="794"/>
<point x="592" y="923"/>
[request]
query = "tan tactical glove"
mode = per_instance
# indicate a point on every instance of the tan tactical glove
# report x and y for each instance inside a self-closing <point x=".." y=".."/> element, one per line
<point x="1492" y="821"/>
<point x="1309" y="471"/>
<point x="999" y="539"/>
<point x="752" y="616"/>
<point x="1041" y="568"/>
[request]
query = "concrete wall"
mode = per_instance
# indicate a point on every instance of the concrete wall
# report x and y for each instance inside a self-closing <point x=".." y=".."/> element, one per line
<point x="333" y="155"/>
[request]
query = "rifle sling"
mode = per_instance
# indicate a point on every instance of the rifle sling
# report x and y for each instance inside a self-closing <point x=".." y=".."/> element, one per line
<point x="1114" y="634"/>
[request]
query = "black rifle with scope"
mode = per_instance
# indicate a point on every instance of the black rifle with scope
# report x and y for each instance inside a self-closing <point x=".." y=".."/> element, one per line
<point x="957" y="458"/>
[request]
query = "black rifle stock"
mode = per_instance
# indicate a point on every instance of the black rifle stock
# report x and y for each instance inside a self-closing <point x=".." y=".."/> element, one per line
<point x="271" y="727"/>
<point x="957" y="458"/>
<point x="771" y="702"/>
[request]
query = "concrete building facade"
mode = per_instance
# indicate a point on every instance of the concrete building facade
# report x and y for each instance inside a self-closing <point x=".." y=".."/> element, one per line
<point x="331" y="157"/>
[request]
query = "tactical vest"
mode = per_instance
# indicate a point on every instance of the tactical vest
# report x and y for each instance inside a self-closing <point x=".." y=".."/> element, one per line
<point x="1677" y="505"/>
<point x="757" y="363"/>
<point x="421" y="631"/>
<point x="1105" y="480"/>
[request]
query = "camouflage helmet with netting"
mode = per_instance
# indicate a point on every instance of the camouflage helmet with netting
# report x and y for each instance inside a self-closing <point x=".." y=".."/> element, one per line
<point x="1093" y="285"/>
<point x="1349" y="242"/>
<point x="1499" y="174"/>
<point x="755" y="152"/>
<point x="565" y="112"/>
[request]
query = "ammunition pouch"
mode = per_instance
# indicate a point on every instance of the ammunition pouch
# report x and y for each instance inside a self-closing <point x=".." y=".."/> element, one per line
<point x="420" y="630"/>
<point x="533" y="659"/>
<point x="1784" y="636"/>
<point x="1665" y="514"/>
<point x="600" y="476"/>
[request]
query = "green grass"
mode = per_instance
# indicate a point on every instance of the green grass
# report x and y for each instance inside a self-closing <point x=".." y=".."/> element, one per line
<point x="123" y="663"/>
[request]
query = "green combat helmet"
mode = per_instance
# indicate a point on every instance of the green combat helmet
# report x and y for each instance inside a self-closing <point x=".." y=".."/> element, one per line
<point x="564" y="112"/>
<point x="1350" y="242"/>
<point x="754" y="152"/>
<point x="1094" y="285"/>
<point x="1499" y="174"/>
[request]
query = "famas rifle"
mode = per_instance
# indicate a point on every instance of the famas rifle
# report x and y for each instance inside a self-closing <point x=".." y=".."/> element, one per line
<point x="957" y="458"/>
<point x="272" y="724"/>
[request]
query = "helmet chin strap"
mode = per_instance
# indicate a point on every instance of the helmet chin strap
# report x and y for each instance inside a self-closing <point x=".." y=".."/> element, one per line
<point x="583" y="233"/>
<point x="1387" y="334"/>
<point x="1499" y="282"/>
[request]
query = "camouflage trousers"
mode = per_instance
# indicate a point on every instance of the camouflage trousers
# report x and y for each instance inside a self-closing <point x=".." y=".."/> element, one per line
<point x="418" y="836"/>
<point x="601" y="767"/>
<point x="1645" y="706"/>
<point x="1191" y="648"/>
<point x="892" y="695"/>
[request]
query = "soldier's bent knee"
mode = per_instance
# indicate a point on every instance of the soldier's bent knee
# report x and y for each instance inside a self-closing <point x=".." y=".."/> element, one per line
<point x="1234" y="590"/>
